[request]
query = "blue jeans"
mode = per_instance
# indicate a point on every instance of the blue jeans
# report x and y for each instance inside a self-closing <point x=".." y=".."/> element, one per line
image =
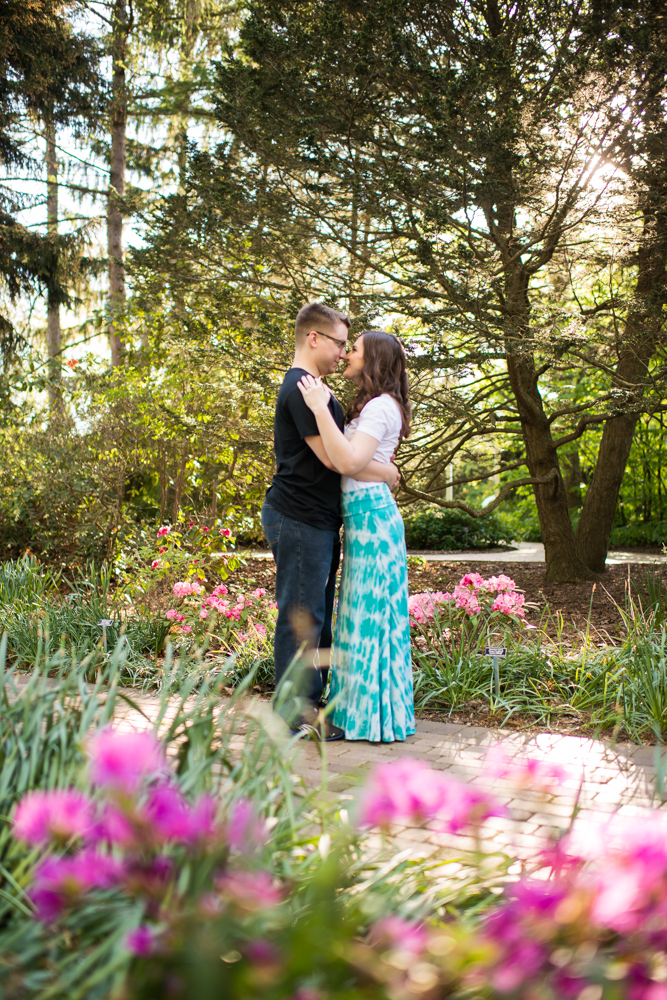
<point x="307" y="559"/>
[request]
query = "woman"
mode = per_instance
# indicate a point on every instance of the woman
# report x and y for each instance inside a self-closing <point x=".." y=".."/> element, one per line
<point x="371" y="683"/>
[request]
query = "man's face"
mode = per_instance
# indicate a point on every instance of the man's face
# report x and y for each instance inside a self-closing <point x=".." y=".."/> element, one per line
<point x="330" y="348"/>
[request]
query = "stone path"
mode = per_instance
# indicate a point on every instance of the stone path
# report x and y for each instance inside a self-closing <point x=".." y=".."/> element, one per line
<point x="523" y="552"/>
<point x="604" y="779"/>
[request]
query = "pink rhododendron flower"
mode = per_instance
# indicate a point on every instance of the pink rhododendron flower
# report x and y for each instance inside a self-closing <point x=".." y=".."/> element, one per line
<point x="164" y="530"/>
<point x="500" y="583"/>
<point x="220" y="589"/>
<point x="122" y="760"/>
<point x="61" y="881"/>
<point x="243" y="636"/>
<point x="472" y="580"/>
<point x="53" y="815"/>
<point x="509" y="604"/>
<point x="398" y="934"/>
<point x="203" y="614"/>
<point x="251" y="890"/>
<point x="171" y="614"/>
<point x="182" y="589"/>
<point x="161" y="551"/>
<point x="187" y="629"/>
<point x="141" y="941"/>
<point x="225" y="532"/>
<point x="259" y="592"/>
<point x="155" y="563"/>
<point x="260" y="629"/>
<point x="422" y="607"/>
<point x="205" y="528"/>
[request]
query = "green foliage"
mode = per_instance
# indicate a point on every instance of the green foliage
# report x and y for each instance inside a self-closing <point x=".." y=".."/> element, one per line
<point x="46" y="718"/>
<point x="639" y="533"/>
<point x="622" y="686"/>
<point x="452" y="530"/>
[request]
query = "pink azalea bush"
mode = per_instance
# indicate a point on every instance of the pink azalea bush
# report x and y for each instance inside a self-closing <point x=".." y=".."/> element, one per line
<point x="117" y="839"/>
<point x="473" y="596"/>
<point x="587" y="918"/>
<point x="234" y="620"/>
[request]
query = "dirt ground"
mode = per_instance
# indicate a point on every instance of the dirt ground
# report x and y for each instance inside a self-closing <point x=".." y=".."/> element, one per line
<point x="575" y="603"/>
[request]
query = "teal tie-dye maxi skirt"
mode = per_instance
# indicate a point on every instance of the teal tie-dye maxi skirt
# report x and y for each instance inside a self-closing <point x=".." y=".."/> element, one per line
<point x="371" y="682"/>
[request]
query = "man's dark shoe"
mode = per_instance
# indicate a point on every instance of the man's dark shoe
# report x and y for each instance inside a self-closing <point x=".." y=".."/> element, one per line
<point x="324" y="732"/>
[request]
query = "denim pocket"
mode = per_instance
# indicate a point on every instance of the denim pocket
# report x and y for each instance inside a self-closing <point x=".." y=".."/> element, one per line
<point x="272" y="522"/>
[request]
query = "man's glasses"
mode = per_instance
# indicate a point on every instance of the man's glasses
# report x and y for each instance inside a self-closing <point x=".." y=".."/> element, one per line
<point x="341" y="343"/>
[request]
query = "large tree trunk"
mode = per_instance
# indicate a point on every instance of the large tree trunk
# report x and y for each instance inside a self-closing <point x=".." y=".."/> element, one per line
<point x="118" y="126"/>
<point x="563" y="563"/>
<point x="53" y="332"/>
<point x="640" y="337"/>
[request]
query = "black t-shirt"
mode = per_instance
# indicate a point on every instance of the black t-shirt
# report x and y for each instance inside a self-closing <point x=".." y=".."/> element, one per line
<point x="302" y="488"/>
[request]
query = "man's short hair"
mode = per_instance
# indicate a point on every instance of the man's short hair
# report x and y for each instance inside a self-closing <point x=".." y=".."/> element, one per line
<point x="315" y="316"/>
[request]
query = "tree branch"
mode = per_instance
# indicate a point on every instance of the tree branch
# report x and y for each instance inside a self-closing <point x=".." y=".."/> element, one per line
<point x="504" y="493"/>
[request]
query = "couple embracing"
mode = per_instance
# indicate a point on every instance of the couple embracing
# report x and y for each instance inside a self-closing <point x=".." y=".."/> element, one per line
<point x="328" y="465"/>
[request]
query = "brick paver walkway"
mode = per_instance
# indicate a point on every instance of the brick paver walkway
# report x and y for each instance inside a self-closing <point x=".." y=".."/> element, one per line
<point x="604" y="778"/>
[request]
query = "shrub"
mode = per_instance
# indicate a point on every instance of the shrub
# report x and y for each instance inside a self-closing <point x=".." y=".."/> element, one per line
<point x="639" y="533"/>
<point x="452" y="530"/>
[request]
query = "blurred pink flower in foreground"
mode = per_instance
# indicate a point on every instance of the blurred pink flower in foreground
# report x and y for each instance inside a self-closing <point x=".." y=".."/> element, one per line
<point x="529" y="772"/>
<point x="244" y="830"/>
<point x="56" y="815"/>
<point x="155" y="563"/>
<point x="60" y="881"/>
<point x="164" y="530"/>
<point x="225" y="532"/>
<point x="122" y="760"/>
<point x="140" y="941"/>
<point x="398" y="934"/>
<point x="254" y="890"/>
<point x="408" y="790"/>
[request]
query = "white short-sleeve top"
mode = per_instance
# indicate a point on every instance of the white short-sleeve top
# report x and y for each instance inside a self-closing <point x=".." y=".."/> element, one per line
<point x="381" y="418"/>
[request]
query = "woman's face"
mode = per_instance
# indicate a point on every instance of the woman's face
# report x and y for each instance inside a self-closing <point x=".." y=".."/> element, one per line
<point x="355" y="361"/>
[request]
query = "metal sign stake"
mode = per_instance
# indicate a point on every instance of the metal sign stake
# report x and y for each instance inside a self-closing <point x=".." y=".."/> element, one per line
<point x="105" y="622"/>
<point x="496" y="653"/>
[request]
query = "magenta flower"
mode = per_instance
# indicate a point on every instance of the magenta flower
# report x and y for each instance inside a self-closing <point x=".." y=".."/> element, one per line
<point x="472" y="580"/>
<point x="59" y="882"/>
<point x="123" y="760"/>
<point x="205" y="528"/>
<point x="261" y="953"/>
<point x="167" y="814"/>
<point x="164" y="530"/>
<point x="155" y="563"/>
<point x="141" y="941"/>
<point x="397" y="934"/>
<point x="259" y="592"/>
<point x="251" y="890"/>
<point x="187" y="629"/>
<point x="220" y="590"/>
<point x="59" y="815"/>
<point x="225" y="532"/>
<point x="408" y="791"/>
<point x="171" y="614"/>
<point x="161" y="551"/>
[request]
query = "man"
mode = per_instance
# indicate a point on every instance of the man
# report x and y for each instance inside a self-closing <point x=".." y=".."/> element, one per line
<point x="301" y="513"/>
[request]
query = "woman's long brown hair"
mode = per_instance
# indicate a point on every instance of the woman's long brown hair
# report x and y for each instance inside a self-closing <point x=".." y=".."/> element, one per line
<point x="383" y="372"/>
